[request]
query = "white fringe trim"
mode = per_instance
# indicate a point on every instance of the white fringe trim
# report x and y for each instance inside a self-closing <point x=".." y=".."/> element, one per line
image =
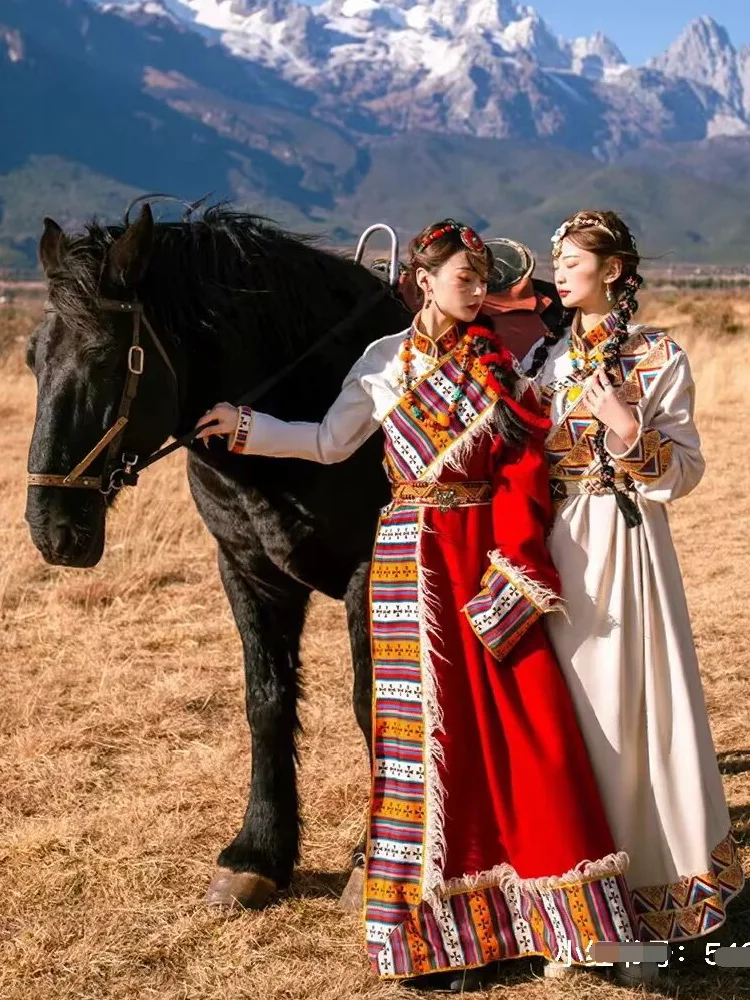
<point x="455" y="456"/>
<point x="507" y="879"/>
<point x="543" y="599"/>
<point x="433" y="862"/>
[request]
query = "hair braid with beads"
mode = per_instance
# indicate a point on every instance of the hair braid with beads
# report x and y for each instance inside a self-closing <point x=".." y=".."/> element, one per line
<point x="624" y="310"/>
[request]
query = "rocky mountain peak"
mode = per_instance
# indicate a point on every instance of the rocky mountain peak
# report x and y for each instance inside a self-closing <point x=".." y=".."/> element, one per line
<point x="704" y="53"/>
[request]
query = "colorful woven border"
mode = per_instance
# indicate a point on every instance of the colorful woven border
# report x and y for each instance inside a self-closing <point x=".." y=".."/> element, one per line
<point x="413" y="445"/>
<point x="500" y="613"/>
<point x="471" y="928"/>
<point x="244" y="423"/>
<point x="694" y="906"/>
<point x="398" y="806"/>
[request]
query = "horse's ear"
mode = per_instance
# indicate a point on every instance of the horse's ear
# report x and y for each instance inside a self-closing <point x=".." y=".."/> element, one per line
<point x="51" y="246"/>
<point x="129" y="255"/>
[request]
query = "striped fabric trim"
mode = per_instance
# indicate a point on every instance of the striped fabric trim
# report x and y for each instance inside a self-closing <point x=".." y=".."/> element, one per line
<point x="500" y="613"/>
<point x="413" y="445"/>
<point x="497" y="922"/>
<point x="398" y="799"/>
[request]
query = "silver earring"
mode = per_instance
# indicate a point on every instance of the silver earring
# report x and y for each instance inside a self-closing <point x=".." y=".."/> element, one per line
<point x="610" y="294"/>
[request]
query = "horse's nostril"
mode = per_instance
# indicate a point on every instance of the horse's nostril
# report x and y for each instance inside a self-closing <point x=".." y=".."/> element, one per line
<point x="60" y="536"/>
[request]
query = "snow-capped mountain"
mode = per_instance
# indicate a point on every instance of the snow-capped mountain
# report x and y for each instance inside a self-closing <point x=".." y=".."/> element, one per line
<point x="414" y="33"/>
<point x="704" y="53"/>
<point x="356" y="109"/>
<point x="491" y="68"/>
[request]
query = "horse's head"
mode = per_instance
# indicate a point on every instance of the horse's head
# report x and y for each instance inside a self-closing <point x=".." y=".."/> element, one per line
<point x="83" y="357"/>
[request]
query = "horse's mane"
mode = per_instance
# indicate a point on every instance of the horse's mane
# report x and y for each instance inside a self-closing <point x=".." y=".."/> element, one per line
<point x="212" y="274"/>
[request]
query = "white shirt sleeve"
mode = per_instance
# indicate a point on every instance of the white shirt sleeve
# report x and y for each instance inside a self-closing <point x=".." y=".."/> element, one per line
<point x="349" y="422"/>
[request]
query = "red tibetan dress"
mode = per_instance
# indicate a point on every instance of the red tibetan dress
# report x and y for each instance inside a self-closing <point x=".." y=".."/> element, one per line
<point x="487" y="838"/>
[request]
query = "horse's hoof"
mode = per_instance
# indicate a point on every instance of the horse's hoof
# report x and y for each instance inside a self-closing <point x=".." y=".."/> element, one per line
<point x="246" y="889"/>
<point x="353" y="897"/>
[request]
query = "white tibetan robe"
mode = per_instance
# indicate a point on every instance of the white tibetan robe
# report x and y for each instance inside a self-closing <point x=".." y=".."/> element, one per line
<point x="628" y="651"/>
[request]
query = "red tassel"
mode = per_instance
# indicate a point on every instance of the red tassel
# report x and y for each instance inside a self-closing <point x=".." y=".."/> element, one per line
<point x="502" y="357"/>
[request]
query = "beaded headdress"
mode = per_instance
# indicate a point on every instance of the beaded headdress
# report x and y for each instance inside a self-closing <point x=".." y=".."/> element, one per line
<point x="469" y="237"/>
<point x="577" y="222"/>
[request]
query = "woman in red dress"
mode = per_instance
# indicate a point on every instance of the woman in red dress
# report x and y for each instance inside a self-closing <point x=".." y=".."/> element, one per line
<point x="487" y="838"/>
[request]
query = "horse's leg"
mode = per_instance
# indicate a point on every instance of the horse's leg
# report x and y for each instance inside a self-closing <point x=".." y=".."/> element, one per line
<point x="270" y="613"/>
<point x="357" y="602"/>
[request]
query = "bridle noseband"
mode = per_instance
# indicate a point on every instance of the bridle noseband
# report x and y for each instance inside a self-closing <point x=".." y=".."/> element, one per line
<point x="126" y="473"/>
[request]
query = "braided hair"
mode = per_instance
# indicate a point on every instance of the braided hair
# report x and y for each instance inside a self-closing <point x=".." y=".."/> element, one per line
<point x="551" y="337"/>
<point x="495" y="356"/>
<point x="606" y="235"/>
<point x="625" y="308"/>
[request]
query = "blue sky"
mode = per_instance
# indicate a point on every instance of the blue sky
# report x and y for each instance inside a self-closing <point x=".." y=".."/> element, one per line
<point x="642" y="28"/>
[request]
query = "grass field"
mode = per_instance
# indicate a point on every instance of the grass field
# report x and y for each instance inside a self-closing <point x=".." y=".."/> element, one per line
<point x="124" y="752"/>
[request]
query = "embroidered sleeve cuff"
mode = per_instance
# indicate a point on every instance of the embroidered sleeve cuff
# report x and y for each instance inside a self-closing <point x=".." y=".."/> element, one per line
<point x="647" y="459"/>
<point x="507" y="605"/>
<point x="244" y="423"/>
<point x="610" y="437"/>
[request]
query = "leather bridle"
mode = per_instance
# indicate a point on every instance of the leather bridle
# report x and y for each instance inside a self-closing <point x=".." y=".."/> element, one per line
<point x="122" y="471"/>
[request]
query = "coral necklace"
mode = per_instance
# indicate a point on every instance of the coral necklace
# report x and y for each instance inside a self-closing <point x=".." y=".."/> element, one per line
<point x="463" y="355"/>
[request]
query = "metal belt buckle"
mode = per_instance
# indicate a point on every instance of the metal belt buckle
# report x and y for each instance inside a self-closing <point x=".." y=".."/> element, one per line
<point x="446" y="500"/>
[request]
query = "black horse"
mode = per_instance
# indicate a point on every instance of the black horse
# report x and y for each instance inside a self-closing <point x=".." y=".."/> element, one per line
<point x="232" y="300"/>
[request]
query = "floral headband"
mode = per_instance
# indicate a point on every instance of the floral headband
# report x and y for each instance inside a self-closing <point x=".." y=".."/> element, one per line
<point x="586" y="222"/>
<point x="470" y="239"/>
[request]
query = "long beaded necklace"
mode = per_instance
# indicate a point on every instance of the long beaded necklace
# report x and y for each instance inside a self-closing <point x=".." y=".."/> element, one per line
<point x="583" y="362"/>
<point x="463" y="355"/>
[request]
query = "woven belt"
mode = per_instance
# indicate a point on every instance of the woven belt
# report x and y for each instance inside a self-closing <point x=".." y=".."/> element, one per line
<point x="592" y="485"/>
<point x="445" y="496"/>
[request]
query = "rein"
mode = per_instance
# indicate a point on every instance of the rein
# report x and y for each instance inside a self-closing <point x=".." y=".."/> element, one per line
<point x="126" y="474"/>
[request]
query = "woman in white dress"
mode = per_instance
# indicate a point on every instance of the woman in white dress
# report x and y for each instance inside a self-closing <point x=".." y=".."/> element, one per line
<point x="622" y="446"/>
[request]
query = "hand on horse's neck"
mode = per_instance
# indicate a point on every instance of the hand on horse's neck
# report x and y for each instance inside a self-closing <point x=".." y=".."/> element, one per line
<point x="433" y="323"/>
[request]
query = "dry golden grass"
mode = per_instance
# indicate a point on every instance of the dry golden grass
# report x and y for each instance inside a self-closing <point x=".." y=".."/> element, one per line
<point x="124" y="750"/>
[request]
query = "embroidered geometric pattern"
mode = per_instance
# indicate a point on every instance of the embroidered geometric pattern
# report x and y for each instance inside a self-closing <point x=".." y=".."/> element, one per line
<point x="493" y="923"/>
<point x="438" y="348"/>
<point x="500" y="613"/>
<point x="695" y="905"/>
<point x="397" y="811"/>
<point x="415" y="445"/>
<point x="570" y="444"/>
<point x="649" y="458"/>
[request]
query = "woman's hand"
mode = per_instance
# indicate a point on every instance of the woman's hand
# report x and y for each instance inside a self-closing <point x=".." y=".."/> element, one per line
<point x="607" y="406"/>
<point x="226" y="417"/>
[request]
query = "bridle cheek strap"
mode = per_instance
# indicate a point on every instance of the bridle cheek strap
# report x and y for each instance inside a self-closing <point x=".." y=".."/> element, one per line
<point x="111" y="438"/>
